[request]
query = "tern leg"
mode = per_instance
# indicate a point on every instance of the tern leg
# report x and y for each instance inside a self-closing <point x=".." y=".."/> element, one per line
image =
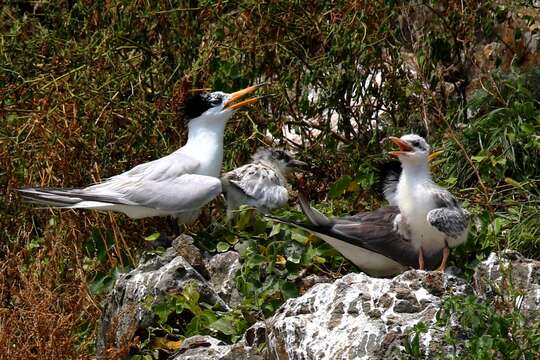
<point x="421" y="259"/>
<point x="173" y="223"/>
<point x="446" y="252"/>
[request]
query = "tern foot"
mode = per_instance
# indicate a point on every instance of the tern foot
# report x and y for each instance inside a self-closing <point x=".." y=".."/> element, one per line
<point x="446" y="253"/>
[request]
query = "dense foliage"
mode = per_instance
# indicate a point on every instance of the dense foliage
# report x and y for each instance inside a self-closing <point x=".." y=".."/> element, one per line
<point x="90" y="89"/>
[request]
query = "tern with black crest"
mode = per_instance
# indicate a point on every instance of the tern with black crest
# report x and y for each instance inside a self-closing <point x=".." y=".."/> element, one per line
<point x="178" y="184"/>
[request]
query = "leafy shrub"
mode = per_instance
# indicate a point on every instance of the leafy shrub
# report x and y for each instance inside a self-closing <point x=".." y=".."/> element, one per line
<point x="90" y="89"/>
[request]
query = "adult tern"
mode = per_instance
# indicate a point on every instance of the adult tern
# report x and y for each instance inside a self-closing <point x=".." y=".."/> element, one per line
<point x="178" y="184"/>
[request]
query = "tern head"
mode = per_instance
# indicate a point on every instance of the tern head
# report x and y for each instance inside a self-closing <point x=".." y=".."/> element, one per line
<point x="412" y="149"/>
<point x="280" y="159"/>
<point x="216" y="107"/>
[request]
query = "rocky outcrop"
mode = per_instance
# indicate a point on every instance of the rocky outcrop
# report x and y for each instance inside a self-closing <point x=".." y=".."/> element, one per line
<point x="250" y="347"/>
<point x="222" y="270"/>
<point x="355" y="317"/>
<point x="360" y="317"/>
<point x="128" y="308"/>
<point x="511" y="273"/>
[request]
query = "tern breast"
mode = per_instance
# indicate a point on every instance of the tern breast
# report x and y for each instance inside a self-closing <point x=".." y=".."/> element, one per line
<point x="414" y="203"/>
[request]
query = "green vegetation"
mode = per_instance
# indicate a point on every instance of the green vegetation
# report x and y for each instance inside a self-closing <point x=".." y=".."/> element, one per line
<point x="476" y="330"/>
<point x="90" y="89"/>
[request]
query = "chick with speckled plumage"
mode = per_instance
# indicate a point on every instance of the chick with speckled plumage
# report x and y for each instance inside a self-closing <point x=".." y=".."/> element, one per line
<point x="262" y="183"/>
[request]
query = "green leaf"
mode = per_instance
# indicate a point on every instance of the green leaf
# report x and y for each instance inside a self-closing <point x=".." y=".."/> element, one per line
<point x="275" y="230"/>
<point x="191" y="294"/>
<point x="339" y="187"/>
<point x="162" y="310"/>
<point x="222" y="246"/>
<point x="255" y="260"/>
<point x="224" y="326"/>
<point x="244" y="217"/>
<point x="102" y="283"/>
<point x="297" y="236"/>
<point x="152" y="237"/>
<point x="512" y="182"/>
<point x="289" y="290"/>
<point x="478" y="158"/>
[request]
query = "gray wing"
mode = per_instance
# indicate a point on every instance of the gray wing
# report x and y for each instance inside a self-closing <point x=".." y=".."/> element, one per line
<point x="376" y="233"/>
<point x="386" y="214"/>
<point x="259" y="183"/>
<point x="372" y="230"/>
<point x="167" y="167"/>
<point x="449" y="218"/>
<point x="184" y="193"/>
<point x="166" y="184"/>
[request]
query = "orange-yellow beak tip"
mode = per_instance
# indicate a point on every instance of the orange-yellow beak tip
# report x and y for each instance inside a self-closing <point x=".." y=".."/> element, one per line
<point x="237" y="95"/>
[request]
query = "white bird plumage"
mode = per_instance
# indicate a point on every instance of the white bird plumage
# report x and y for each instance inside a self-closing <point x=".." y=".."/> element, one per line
<point x="178" y="184"/>
<point x="429" y="215"/>
<point x="262" y="183"/>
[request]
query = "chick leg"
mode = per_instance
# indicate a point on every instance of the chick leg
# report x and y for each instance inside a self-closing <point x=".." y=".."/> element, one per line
<point x="421" y="259"/>
<point x="446" y="253"/>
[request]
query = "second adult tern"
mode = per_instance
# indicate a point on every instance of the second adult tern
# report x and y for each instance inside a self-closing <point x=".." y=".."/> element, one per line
<point x="425" y="221"/>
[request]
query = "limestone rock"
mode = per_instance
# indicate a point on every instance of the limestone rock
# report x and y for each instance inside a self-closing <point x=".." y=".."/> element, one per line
<point x="128" y="307"/>
<point x="209" y="348"/>
<point x="222" y="270"/>
<point x="184" y="247"/>
<point x="360" y="317"/>
<point x="510" y="272"/>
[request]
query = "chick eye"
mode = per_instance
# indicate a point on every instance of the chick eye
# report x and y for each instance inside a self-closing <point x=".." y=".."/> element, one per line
<point x="415" y="143"/>
<point x="215" y="101"/>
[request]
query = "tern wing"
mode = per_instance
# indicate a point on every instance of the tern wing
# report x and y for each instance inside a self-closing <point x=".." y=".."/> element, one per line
<point x="386" y="214"/>
<point x="449" y="217"/>
<point x="184" y="193"/>
<point x="373" y="231"/>
<point x="167" y="167"/>
<point x="379" y="237"/>
<point x="376" y="232"/>
<point x="259" y="183"/>
<point x="166" y="184"/>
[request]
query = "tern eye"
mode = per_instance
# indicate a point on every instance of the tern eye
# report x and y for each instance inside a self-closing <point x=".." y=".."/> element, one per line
<point x="216" y="101"/>
<point x="415" y="143"/>
<point x="282" y="156"/>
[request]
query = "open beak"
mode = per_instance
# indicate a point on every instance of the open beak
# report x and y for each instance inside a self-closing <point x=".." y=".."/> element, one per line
<point x="404" y="147"/>
<point x="237" y="95"/>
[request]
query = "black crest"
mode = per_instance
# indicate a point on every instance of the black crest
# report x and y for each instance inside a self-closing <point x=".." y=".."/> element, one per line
<point x="279" y="154"/>
<point x="197" y="104"/>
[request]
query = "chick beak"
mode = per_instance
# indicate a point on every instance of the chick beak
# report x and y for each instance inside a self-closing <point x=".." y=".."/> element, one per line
<point x="229" y="106"/>
<point x="404" y="147"/>
<point x="297" y="163"/>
